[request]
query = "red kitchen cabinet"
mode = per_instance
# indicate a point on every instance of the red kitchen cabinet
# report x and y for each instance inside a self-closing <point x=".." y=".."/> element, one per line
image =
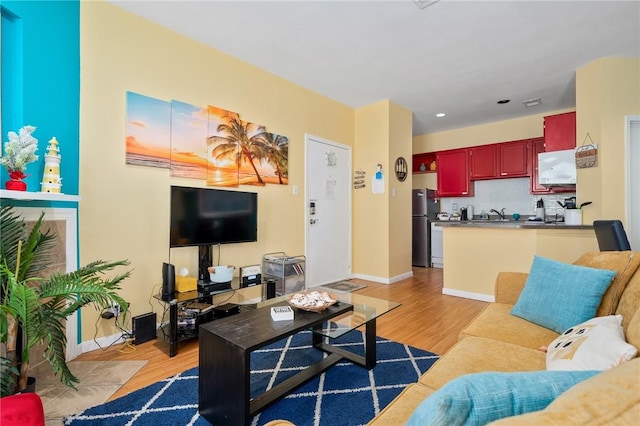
<point x="514" y="159"/>
<point x="453" y="173"/>
<point x="483" y="162"/>
<point x="500" y="160"/>
<point x="560" y="132"/>
<point x="537" y="146"/>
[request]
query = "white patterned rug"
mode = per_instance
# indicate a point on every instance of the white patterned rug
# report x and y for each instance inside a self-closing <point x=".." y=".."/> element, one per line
<point x="345" y="394"/>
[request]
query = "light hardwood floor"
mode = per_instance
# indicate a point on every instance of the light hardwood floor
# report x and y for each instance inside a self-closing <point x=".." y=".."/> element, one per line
<point x="427" y="319"/>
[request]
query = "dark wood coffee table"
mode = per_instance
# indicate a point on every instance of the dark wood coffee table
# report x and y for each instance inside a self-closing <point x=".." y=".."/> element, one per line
<point x="226" y="345"/>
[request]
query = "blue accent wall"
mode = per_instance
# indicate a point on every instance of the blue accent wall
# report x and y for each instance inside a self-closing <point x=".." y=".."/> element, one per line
<point x="41" y="81"/>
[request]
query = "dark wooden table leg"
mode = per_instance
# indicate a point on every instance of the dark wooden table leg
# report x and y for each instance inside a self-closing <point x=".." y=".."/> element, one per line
<point x="316" y="338"/>
<point x="173" y="329"/>
<point x="370" y="344"/>
<point x="223" y="382"/>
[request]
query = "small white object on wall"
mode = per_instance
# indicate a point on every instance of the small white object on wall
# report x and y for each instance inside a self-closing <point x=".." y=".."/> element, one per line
<point x="377" y="181"/>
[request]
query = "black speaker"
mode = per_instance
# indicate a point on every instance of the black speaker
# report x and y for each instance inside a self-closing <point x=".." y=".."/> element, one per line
<point x="168" y="281"/>
<point x="271" y="289"/>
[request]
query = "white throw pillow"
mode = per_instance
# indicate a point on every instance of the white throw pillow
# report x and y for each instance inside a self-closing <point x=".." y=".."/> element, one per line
<point x="597" y="344"/>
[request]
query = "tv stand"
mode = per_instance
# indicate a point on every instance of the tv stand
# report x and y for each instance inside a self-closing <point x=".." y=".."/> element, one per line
<point x="173" y="332"/>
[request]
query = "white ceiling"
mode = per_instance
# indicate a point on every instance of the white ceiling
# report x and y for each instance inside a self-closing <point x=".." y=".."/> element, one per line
<point x="457" y="57"/>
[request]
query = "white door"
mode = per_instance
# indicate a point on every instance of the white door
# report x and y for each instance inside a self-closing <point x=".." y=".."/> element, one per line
<point x="328" y="211"/>
<point x="633" y="181"/>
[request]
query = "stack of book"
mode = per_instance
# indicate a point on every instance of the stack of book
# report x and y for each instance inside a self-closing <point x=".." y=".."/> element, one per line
<point x="197" y="308"/>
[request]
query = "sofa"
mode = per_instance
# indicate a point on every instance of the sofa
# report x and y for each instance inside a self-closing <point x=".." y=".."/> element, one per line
<point x="498" y="341"/>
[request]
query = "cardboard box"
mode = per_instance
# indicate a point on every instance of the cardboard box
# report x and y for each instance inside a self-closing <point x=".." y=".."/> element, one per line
<point x="185" y="284"/>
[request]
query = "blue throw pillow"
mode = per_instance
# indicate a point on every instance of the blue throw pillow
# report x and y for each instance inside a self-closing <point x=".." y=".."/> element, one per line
<point x="477" y="399"/>
<point x="559" y="295"/>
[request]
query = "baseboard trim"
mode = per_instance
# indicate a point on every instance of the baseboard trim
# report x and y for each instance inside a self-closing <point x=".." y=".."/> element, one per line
<point x="384" y="280"/>
<point x="100" y="342"/>
<point x="468" y="295"/>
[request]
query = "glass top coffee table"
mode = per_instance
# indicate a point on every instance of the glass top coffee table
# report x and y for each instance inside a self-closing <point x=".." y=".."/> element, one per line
<point x="226" y="345"/>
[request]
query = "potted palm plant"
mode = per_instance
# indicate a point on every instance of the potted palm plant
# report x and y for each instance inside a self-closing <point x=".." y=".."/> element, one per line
<point x="35" y="308"/>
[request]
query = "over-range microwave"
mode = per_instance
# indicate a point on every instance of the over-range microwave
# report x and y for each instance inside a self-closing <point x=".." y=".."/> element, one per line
<point x="557" y="168"/>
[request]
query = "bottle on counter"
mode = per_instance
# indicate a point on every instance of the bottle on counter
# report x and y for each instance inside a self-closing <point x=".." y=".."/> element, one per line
<point x="470" y="211"/>
<point x="540" y="210"/>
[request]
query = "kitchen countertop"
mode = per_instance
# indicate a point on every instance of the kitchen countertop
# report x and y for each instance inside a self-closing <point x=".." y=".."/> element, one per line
<point x="508" y="224"/>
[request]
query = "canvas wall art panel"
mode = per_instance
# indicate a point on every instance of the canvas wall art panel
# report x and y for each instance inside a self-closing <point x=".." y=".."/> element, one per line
<point x="222" y="148"/>
<point x="148" y="131"/>
<point x="188" y="140"/>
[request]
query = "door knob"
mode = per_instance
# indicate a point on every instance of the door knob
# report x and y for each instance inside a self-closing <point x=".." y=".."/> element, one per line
<point x="313" y="221"/>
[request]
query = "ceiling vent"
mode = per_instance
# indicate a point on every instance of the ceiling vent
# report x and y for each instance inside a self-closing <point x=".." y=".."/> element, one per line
<point x="425" y="3"/>
<point x="532" y="102"/>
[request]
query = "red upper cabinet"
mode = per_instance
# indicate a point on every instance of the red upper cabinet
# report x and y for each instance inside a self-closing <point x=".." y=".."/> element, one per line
<point x="483" y="162"/>
<point x="514" y="159"/>
<point x="560" y="132"/>
<point x="501" y="160"/>
<point x="537" y="146"/>
<point x="453" y="173"/>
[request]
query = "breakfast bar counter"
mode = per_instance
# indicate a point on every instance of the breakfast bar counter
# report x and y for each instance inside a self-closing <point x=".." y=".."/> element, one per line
<point x="475" y="251"/>
<point x="509" y="224"/>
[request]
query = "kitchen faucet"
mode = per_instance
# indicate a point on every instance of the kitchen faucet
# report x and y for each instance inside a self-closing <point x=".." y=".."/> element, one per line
<point x="499" y="213"/>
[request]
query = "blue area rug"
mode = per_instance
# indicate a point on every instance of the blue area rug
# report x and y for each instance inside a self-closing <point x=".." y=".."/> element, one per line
<point x="346" y="394"/>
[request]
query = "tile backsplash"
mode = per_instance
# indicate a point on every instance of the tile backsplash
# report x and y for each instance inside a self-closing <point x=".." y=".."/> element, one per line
<point x="511" y="194"/>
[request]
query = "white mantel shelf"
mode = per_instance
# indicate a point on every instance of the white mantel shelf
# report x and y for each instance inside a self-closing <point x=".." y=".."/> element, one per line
<point x="37" y="196"/>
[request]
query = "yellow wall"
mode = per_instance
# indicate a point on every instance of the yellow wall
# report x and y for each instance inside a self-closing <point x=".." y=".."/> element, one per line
<point x="530" y="126"/>
<point x="382" y="225"/>
<point x="473" y="257"/>
<point x="124" y="212"/>
<point x="607" y="91"/>
<point x="400" y="141"/>
<point x="371" y="211"/>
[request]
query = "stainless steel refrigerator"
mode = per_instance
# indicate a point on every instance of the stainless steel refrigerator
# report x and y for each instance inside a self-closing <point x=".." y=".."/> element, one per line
<point x="425" y="209"/>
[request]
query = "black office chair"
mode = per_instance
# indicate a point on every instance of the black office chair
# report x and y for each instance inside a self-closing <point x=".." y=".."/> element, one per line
<point x="610" y="235"/>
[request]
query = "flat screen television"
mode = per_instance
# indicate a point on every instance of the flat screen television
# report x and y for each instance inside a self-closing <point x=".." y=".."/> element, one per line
<point x="203" y="216"/>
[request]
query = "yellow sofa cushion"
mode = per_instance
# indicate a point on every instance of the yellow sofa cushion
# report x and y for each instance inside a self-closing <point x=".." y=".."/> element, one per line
<point x="610" y="398"/>
<point x="479" y="354"/>
<point x="625" y="263"/>
<point x="495" y="322"/>
<point x="400" y="409"/>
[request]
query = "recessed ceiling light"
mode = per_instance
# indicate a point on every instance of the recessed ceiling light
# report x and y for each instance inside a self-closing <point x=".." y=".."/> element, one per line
<point x="440" y="114"/>
<point x="532" y="102"/>
<point x="504" y="101"/>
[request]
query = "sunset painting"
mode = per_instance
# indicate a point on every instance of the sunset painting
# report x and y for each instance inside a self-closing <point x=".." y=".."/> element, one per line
<point x="203" y="143"/>
<point x="188" y="138"/>
<point x="148" y="134"/>
<point x="223" y="165"/>
<point x="257" y="156"/>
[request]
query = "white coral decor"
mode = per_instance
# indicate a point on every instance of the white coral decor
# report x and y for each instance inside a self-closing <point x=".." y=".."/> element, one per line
<point x="20" y="150"/>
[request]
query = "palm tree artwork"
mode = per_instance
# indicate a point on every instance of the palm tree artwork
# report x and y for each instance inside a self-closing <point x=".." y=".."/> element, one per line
<point x="277" y="147"/>
<point x="258" y="156"/>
